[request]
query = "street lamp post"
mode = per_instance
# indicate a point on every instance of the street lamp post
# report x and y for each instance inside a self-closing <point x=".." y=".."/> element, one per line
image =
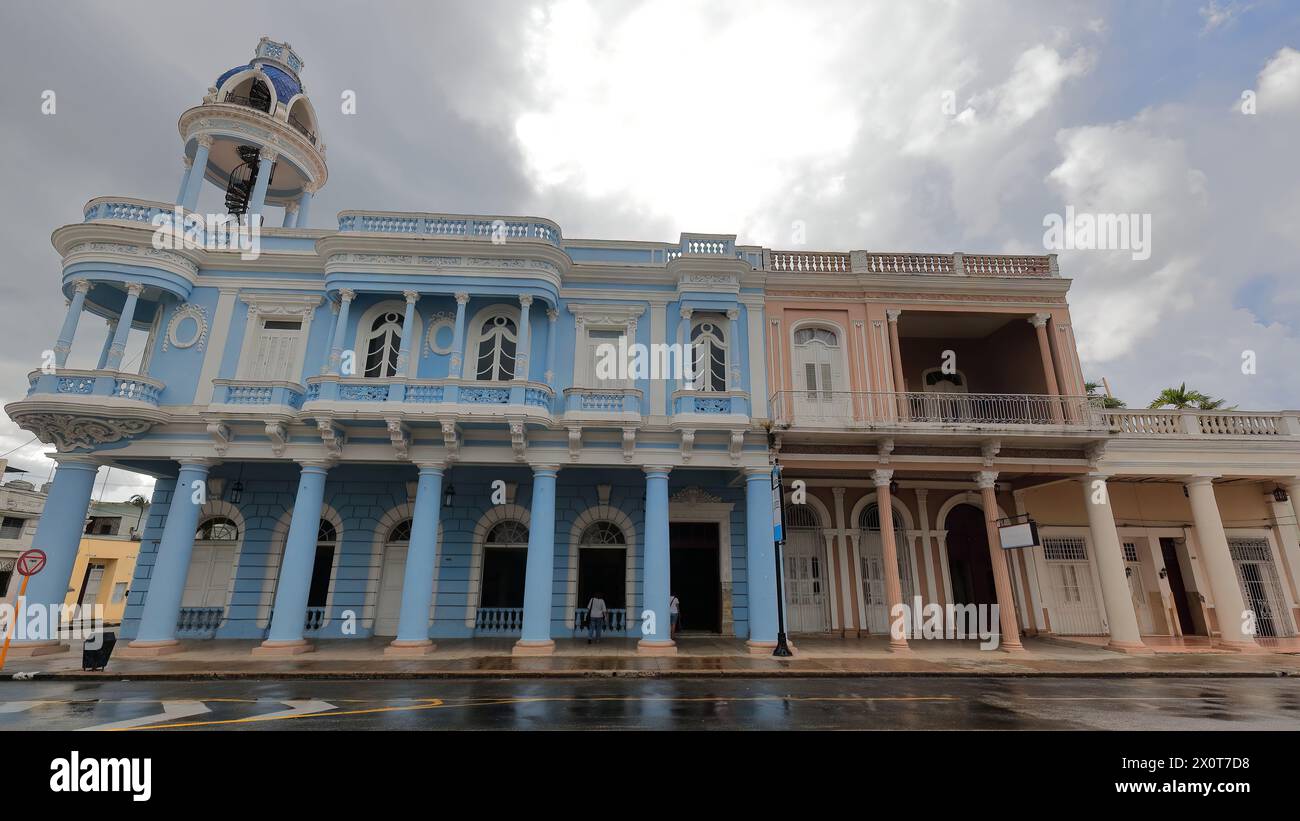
<point x="778" y="492"/>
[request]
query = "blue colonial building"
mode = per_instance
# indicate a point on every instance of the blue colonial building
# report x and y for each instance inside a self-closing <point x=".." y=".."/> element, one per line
<point x="395" y="426"/>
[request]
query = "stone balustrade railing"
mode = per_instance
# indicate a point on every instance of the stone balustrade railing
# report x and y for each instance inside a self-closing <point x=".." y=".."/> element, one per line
<point x="885" y="263"/>
<point x="486" y="228"/>
<point x="934" y="410"/>
<point x="114" y="384"/>
<point x="1192" y="422"/>
<point x="332" y="388"/>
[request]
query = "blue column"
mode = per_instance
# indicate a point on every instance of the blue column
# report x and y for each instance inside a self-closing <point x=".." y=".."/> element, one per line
<point x="290" y="215"/>
<point x="304" y="203"/>
<point x="162" y="603"/>
<point x="59" y="535"/>
<point x="657" y="584"/>
<point x="551" y="316"/>
<point x="346" y="296"/>
<point x="265" y="167"/>
<point x="108" y="344"/>
<point x="408" y="332"/>
<point x="185" y="180"/>
<point x="458" y="338"/>
<point x="760" y="562"/>
<point x="290" y="609"/>
<point x="69" y="329"/>
<point x="539" y="578"/>
<point x="118" y="348"/>
<point x="421" y="556"/>
<point x="195" y="179"/>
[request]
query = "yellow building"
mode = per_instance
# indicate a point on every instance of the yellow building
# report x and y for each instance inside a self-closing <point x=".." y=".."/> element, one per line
<point x="106" y="558"/>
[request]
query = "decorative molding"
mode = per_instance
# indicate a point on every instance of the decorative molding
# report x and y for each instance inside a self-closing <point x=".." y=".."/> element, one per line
<point x="221" y="437"/>
<point x="688" y="444"/>
<point x="436" y="321"/>
<point x="332" y="436"/>
<point x="278" y="433"/>
<point x="69" y="432"/>
<point x="737" y="442"/>
<point x="575" y="442"/>
<point x="694" y="495"/>
<point x="400" y="436"/>
<point x="629" y="443"/>
<point x="187" y="310"/>
<point x="518" y="439"/>
<point x="451" y="439"/>
<point x="160" y="254"/>
<point x="300" y="305"/>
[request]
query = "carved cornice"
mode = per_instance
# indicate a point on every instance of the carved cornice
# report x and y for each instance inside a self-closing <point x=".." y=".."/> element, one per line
<point x="69" y="432"/>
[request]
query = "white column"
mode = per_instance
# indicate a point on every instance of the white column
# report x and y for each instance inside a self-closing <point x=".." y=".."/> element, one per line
<point x="525" y="339"/>
<point x="1229" y="607"/>
<point x="733" y="350"/>
<point x="1109" y="555"/>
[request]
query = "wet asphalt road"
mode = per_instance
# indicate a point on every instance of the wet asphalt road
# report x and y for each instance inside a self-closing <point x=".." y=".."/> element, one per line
<point x="677" y="704"/>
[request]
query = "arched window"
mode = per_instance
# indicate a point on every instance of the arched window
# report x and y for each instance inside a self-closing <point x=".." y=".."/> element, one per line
<point x="217" y="529"/>
<point x="817" y="359"/>
<point x="801" y="516"/>
<point x="496" y="349"/>
<point x="602" y="533"/>
<point x="401" y="532"/>
<point x="508" y="533"/>
<point x="327" y="538"/>
<point x="934" y="380"/>
<point x="709" y="345"/>
<point x="383" y="343"/>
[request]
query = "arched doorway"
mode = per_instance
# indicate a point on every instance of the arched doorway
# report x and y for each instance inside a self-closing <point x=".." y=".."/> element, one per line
<point x="969" y="565"/>
<point x="392" y="574"/>
<point x="805" y="572"/>
<point x="872" y="550"/>
<point x="602" y="568"/>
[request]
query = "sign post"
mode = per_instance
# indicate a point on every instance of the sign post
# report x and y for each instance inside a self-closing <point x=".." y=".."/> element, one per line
<point x="778" y="539"/>
<point x="29" y="564"/>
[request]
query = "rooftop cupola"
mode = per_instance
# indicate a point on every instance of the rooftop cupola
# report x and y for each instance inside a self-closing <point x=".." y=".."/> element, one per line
<point x="255" y="138"/>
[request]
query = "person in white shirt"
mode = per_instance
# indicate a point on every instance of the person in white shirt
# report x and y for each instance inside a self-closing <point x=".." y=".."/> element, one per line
<point x="596" y="612"/>
<point x="674" y="612"/>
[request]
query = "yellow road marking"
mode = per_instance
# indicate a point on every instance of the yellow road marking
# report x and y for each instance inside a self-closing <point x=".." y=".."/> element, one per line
<point x="434" y="702"/>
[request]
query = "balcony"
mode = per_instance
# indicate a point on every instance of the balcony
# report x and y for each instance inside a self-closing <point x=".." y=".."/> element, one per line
<point x="528" y="399"/>
<point x="257" y="396"/>
<point x="891" y="264"/>
<point x="935" y="411"/>
<point x="602" y="404"/>
<point x="1220" y="424"/>
<point x="74" y="409"/>
<point x="711" y="405"/>
<point x="453" y="226"/>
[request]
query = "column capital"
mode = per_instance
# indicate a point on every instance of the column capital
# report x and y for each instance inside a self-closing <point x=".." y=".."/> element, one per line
<point x="431" y="468"/>
<point x="346" y="295"/>
<point x="462" y="298"/>
<point x="733" y="314"/>
<point x="205" y="140"/>
<point x="838" y="493"/>
<point x="985" y="479"/>
<point x="1039" y="320"/>
<point x="1091" y="476"/>
<point x="525" y="300"/>
<point x="310" y="188"/>
<point x="198" y="462"/>
<point x="686" y="311"/>
<point x="755" y="471"/>
<point x="268" y="155"/>
<point x="543" y="469"/>
<point x="80" y="285"/>
<point x="1200" y="481"/>
<point x="135" y="288"/>
<point x="552" y="314"/>
<point x="882" y="478"/>
<point x="651" y="470"/>
<point x="291" y="206"/>
<point x="75" y="460"/>
<point x="892" y="314"/>
<point x="187" y="161"/>
<point x="320" y="466"/>
<point x="411" y="296"/>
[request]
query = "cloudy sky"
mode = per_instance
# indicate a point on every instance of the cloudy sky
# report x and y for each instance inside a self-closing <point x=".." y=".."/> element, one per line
<point x="919" y="126"/>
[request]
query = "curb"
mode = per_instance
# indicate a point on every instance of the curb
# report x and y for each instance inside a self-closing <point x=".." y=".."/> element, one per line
<point x="471" y="675"/>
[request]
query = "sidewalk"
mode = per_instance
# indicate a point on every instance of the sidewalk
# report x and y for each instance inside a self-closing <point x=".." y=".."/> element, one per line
<point x="697" y="657"/>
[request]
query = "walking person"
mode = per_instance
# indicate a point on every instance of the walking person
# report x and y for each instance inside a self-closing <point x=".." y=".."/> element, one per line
<point x="674" y="614"/>
<point x="596" y="612"/>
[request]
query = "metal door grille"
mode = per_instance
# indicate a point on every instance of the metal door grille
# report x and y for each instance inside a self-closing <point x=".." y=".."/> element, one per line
<point x="1260" y="587"/>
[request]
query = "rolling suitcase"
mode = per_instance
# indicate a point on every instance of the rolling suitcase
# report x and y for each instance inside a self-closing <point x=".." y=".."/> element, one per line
<point x="97" y="658"/>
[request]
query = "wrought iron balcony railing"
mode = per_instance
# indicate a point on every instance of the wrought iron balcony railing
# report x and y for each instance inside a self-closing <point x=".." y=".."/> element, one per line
<point x="875" y="409"/>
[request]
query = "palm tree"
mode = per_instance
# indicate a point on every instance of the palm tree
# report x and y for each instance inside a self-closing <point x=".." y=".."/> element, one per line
<point x="1180" y="398"/>
<point x="1107" y="401"/>
<point x="138" y="501"/>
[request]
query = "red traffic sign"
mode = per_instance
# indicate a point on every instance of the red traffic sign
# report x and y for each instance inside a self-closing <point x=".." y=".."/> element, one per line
<point x="31" y="562"/>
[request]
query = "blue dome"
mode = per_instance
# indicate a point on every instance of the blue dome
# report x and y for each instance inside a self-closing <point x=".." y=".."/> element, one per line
<point x="286" y="87"/>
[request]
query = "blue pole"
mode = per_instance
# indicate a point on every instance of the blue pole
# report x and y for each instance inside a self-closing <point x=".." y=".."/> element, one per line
<point x="539" y="576"/>
<point x="118" y="348"/>
<point x="657" y="584"/>
<point x="195" y="179"/>
<point x="421" y="557"/>
<point x="69" y="331"/>
<point x="59" y="535"/>
<point x="290" y="609"/>
<point x="162" y="603"/>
